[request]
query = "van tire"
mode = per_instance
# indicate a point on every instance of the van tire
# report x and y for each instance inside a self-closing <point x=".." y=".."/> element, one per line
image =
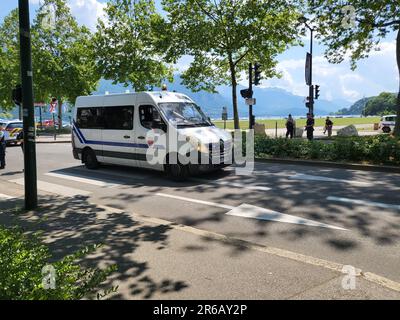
<point x="90" y="159"/>
<point x="386" y="129"/>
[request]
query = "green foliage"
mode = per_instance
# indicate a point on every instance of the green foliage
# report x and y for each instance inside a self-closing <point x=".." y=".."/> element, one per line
<point x="380" y="149"/>
<point x="356" y="36"/>
<point x="22" y="259"/>
<point x="9" y="58"/>
<point x="126" y="47"/>
<point x="383" y="104"/>
<point x="62" y="56"/>
<point x="223" y="37"/>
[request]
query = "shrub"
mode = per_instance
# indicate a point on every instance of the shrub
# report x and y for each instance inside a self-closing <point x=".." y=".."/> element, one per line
<point x="380" y="149"/>
<point x="22" y="259"/>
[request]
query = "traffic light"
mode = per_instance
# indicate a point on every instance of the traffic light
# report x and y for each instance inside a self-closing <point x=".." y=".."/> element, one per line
<point x="257" y="74"/>
<point x="308" y="102"/>
<point x="17" y="95"/>
<point x="246" y="93"/>
<point x="316" y="92"/>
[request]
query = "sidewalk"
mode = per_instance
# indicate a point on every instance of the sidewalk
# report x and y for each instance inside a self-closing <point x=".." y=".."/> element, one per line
<point x="160" y="260"/>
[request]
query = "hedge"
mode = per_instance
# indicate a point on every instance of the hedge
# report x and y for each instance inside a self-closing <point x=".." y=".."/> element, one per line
<point x="380" y="149"/>
<point x="22" y="259"/>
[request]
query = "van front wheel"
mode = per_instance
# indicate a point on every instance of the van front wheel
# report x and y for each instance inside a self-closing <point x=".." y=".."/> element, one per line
<point x="91" y="160"/>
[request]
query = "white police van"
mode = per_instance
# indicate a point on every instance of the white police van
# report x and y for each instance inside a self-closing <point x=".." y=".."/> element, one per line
<point x="155" y="130"/>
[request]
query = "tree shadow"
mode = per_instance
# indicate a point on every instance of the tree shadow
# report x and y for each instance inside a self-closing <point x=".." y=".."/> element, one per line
<point x="69" y="224"/>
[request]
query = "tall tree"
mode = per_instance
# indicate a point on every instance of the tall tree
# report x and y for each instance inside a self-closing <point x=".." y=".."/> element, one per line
<point x="63" y="55"/>
<point x="224" y="36"/>
<point x="125" y="45"/>
<point x="9" y="58"/>
<point x="355" y="27"/>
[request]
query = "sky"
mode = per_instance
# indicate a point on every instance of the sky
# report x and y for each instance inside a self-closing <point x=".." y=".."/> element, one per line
<point x="373" y="75"/>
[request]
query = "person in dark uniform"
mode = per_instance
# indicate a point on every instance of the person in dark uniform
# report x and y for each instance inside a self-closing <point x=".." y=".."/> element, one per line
<point x="310" y="126"/>
<point x="2" y="149"/>
<point x="289" y="127"/>
<point x="328" y="126"/>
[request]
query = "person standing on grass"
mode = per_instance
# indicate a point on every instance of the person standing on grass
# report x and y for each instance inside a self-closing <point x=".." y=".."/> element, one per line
<point x="310" y="126"/>
<point x="289" y="127"/>
<point x="328" y="126"/>
<point x="2" y="149"/>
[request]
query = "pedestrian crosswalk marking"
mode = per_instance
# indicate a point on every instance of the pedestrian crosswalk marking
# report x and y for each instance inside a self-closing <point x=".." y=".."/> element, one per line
<point x="55" y="188"/>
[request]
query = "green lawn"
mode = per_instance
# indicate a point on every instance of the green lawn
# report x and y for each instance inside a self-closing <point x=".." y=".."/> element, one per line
<point x="270" y="124"/>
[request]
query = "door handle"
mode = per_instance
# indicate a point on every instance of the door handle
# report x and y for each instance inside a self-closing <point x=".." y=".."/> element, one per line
<point x="127" y="137"/>
<point x="141" y="138"/>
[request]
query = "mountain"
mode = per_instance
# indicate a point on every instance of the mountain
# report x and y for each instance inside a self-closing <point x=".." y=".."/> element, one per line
<point x="356" y="109"/>
<point x="271" y="102"/>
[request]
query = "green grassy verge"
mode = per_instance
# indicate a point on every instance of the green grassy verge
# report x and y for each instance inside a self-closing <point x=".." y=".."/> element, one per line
<point x="270" y="123"/>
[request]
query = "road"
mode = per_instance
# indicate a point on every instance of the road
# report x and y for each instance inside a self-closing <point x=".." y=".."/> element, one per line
<point x="340" y="216"/>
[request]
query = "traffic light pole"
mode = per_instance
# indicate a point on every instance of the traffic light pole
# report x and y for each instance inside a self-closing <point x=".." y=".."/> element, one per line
<point x="28" y="111"/>
<point x="251" y="124"/>
<point x="311" y="87"/>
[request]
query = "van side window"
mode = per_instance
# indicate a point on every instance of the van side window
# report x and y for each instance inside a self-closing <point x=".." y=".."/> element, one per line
<point x="118" y="118"/>
<point x="90" y="118"/>
<point x="147" y="114"/>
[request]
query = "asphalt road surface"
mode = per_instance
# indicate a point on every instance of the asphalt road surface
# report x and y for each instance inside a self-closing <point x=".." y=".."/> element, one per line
<point x="344" y="216"/>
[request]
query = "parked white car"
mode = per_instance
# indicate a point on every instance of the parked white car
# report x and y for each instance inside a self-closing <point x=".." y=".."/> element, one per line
<point x="11" y="129"/>
<point x="387" y="123"/>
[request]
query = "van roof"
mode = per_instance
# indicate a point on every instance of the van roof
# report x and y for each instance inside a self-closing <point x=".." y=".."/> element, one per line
<point x="158" y="96"/>
<point x="389" y="115"/>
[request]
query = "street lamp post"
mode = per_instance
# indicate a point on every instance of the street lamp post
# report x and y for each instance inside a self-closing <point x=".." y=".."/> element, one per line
<point x="27" y="106"/>
<point x="310" y="85"/>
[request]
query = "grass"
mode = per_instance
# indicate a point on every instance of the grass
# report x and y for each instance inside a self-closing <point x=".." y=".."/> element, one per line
<point x="270" y="123"/>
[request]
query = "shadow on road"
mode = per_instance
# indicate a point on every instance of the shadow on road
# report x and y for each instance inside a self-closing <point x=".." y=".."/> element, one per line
<point x="69" y="224"/>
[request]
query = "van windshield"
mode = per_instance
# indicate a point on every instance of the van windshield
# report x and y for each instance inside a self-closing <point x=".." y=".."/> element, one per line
<point x="184" y="114"/>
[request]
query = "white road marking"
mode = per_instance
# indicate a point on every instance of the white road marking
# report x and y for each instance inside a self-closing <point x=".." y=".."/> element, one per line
<point x="4" y="196"/>
<point x="207" y="203"/>
<point x="96" y="182"/>
<point x="108" y="172"/>
<point x="365" y="202"/>
<point x="249" y="211"/>
<point x="233" y="184"/>
<point x="254" y="212"/>
<point x="301" y="176"/>
<point x="56" y="188"/>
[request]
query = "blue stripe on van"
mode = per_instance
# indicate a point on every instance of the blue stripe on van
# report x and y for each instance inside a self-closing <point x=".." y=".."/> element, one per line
<point x="76" y="133"/>
<point x="82" y="139"/>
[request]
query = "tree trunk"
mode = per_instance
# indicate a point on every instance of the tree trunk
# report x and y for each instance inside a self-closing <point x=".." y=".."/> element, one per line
<point x="234" y="95"/>
<point x="397" y="127"/>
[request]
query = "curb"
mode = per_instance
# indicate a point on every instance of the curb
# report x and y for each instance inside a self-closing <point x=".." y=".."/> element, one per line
<point x="54" y="141"/>
<point x="352" y="166"/>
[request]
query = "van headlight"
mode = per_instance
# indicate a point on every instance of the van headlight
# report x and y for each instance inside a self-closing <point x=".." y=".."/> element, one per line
<point x="202" y="148"/>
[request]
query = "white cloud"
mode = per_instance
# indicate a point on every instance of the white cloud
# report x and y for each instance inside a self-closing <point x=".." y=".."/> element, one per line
<point x="87" y="11"/>
<point x="376" y="74"/>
